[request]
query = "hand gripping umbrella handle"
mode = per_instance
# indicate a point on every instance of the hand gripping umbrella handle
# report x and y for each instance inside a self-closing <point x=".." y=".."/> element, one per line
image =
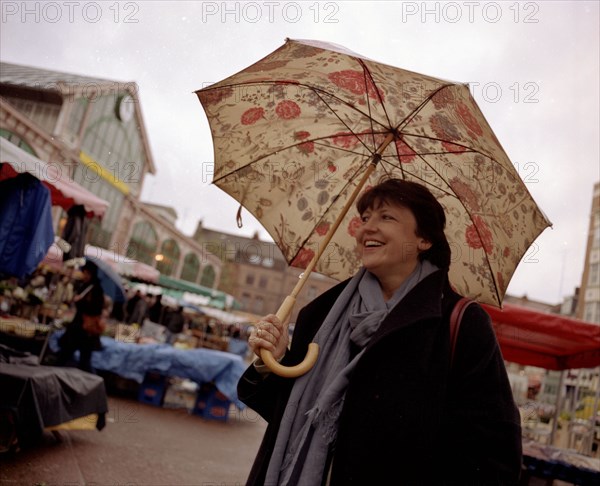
<point x="310" y="358"/>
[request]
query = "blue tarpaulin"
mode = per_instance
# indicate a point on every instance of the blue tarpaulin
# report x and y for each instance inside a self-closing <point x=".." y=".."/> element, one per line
<point x="25" y="225"/>
<point x="133" y="361"/>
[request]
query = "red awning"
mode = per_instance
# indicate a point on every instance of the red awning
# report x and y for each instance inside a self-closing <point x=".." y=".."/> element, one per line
<point x="64" y="191"/>
<point x="549" y="341"/>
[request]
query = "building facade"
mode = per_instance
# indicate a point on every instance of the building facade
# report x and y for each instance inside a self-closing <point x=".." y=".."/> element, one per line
<point x="588" y="306"/>
<point x="256" y="273"/>
<point x="93" y="130"/>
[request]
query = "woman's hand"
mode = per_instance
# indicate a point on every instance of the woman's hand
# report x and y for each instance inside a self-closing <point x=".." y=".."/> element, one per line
<point x="269" y="333"/>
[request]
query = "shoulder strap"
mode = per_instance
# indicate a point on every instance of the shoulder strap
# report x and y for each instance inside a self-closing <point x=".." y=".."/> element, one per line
<point x="455" y="319"/>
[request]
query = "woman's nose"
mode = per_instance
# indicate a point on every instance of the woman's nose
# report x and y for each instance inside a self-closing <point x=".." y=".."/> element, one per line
<point x="369" y="225"/>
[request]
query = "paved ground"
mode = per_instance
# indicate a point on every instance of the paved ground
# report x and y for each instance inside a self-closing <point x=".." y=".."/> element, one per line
<point x="141" y="445"/>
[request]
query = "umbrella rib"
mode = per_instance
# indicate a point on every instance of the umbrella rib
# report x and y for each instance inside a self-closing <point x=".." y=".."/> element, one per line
<point x="352" y="178"/>
<point x="316" y="140"/>
<point x="314" y="89"/>
<point x="416" y="111"/>
<point x="369" y="117"/>
<point x="367" y="72"/>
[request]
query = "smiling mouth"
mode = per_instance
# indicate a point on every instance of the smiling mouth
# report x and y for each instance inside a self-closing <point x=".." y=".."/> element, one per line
<point x="372" y="244"/>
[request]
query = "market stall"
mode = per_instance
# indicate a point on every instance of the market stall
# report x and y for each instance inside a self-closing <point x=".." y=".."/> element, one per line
<point x="553" y="342"/>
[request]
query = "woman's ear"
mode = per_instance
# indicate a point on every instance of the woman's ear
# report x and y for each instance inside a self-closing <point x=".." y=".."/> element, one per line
<point x="424" y="245"/>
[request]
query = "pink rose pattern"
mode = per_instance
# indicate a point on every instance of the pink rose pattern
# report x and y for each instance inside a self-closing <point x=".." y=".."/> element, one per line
<point x="322" y="229"/>
<point x="287" y="110"/>
<point x="478" y="235"/>
<point x="405" y="153"/>
<point x="252" y="115"/>
<point x="354" y="81"/>
<point x="355" y="223"/>
<point x="446" y="130"/>
<point x="304" y="257"/>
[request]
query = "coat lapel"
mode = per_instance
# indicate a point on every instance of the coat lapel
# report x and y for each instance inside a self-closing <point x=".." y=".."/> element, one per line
<point x="422" y="302"/>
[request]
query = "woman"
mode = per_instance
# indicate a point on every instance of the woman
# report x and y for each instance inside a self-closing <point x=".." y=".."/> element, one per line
<point x="383" y="405"/>
<point x="89" y="302"/>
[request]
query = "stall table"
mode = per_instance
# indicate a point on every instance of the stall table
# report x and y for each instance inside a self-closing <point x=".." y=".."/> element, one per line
<point x="35" y="397"/>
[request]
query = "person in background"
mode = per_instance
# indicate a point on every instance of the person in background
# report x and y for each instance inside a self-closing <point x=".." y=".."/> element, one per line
<point x="384" y="404"/>
<point x="175" y="323"/>
<point x="131" y="303"/>
<point x="155" y="311"/>
<point x="138" y="308"/>
<point x="88" y="301"/>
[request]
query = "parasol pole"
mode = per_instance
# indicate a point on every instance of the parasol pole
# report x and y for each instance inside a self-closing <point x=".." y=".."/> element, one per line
<point x="288" y="304"/>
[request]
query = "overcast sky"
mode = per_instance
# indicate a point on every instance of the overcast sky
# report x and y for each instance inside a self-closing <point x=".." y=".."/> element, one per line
<point x="533" y="69"/>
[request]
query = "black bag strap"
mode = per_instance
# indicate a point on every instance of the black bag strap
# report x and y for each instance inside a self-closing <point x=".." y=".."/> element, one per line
<point x="455" y="319"/>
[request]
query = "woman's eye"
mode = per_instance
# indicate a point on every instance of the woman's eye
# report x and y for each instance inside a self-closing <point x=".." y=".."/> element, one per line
<point x="364" y="219"/>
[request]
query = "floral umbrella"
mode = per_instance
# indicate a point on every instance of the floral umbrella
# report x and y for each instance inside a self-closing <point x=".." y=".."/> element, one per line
<point x="302" y="132"/>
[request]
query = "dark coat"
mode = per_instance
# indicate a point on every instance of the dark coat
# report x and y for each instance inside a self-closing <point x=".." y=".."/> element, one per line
<point x="75" y="337"/>
<point x="407" y="418"/>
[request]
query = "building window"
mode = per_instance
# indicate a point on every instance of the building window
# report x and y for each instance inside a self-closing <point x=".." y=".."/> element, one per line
<point x="143" y="243"/>
<point x="594" y="278"/>
<point x="250" y="279"/>
<point x="191" y="268"/>
<point x="262" y="282"/>
<point x="114" y="144"/>
<point x="259" y="305"/>
<point x="208" y="277"/>
<point x="592" y="312"/>
<point x="16" y="140"/>
<point x="170" y="257"/>
<point x="246" y="300"/>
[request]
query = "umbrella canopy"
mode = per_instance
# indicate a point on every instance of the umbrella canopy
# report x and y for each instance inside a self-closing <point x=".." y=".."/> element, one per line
<point x="298" y="132"/>
<point x="109" y="280"/>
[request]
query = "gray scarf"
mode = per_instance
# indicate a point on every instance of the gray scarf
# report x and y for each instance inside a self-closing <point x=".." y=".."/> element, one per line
<point x="309" y="424"/>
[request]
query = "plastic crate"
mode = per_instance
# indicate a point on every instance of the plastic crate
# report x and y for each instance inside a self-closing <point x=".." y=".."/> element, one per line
<point x="211" y="403"/>
<point x="152" y="389"/>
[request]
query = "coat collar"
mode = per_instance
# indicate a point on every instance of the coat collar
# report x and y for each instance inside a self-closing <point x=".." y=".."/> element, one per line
<point x="424" y="301"/>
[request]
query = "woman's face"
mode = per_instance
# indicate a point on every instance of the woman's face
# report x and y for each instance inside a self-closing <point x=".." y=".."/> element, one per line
<point x="387" y="240"/>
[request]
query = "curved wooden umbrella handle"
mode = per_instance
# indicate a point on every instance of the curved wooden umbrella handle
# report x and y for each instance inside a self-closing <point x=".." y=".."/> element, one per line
<point x="290" y="371"/>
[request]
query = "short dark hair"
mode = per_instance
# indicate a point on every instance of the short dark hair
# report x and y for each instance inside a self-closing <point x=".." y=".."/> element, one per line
<point x="90" y="267"/>
<point x="429" y="213"/>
